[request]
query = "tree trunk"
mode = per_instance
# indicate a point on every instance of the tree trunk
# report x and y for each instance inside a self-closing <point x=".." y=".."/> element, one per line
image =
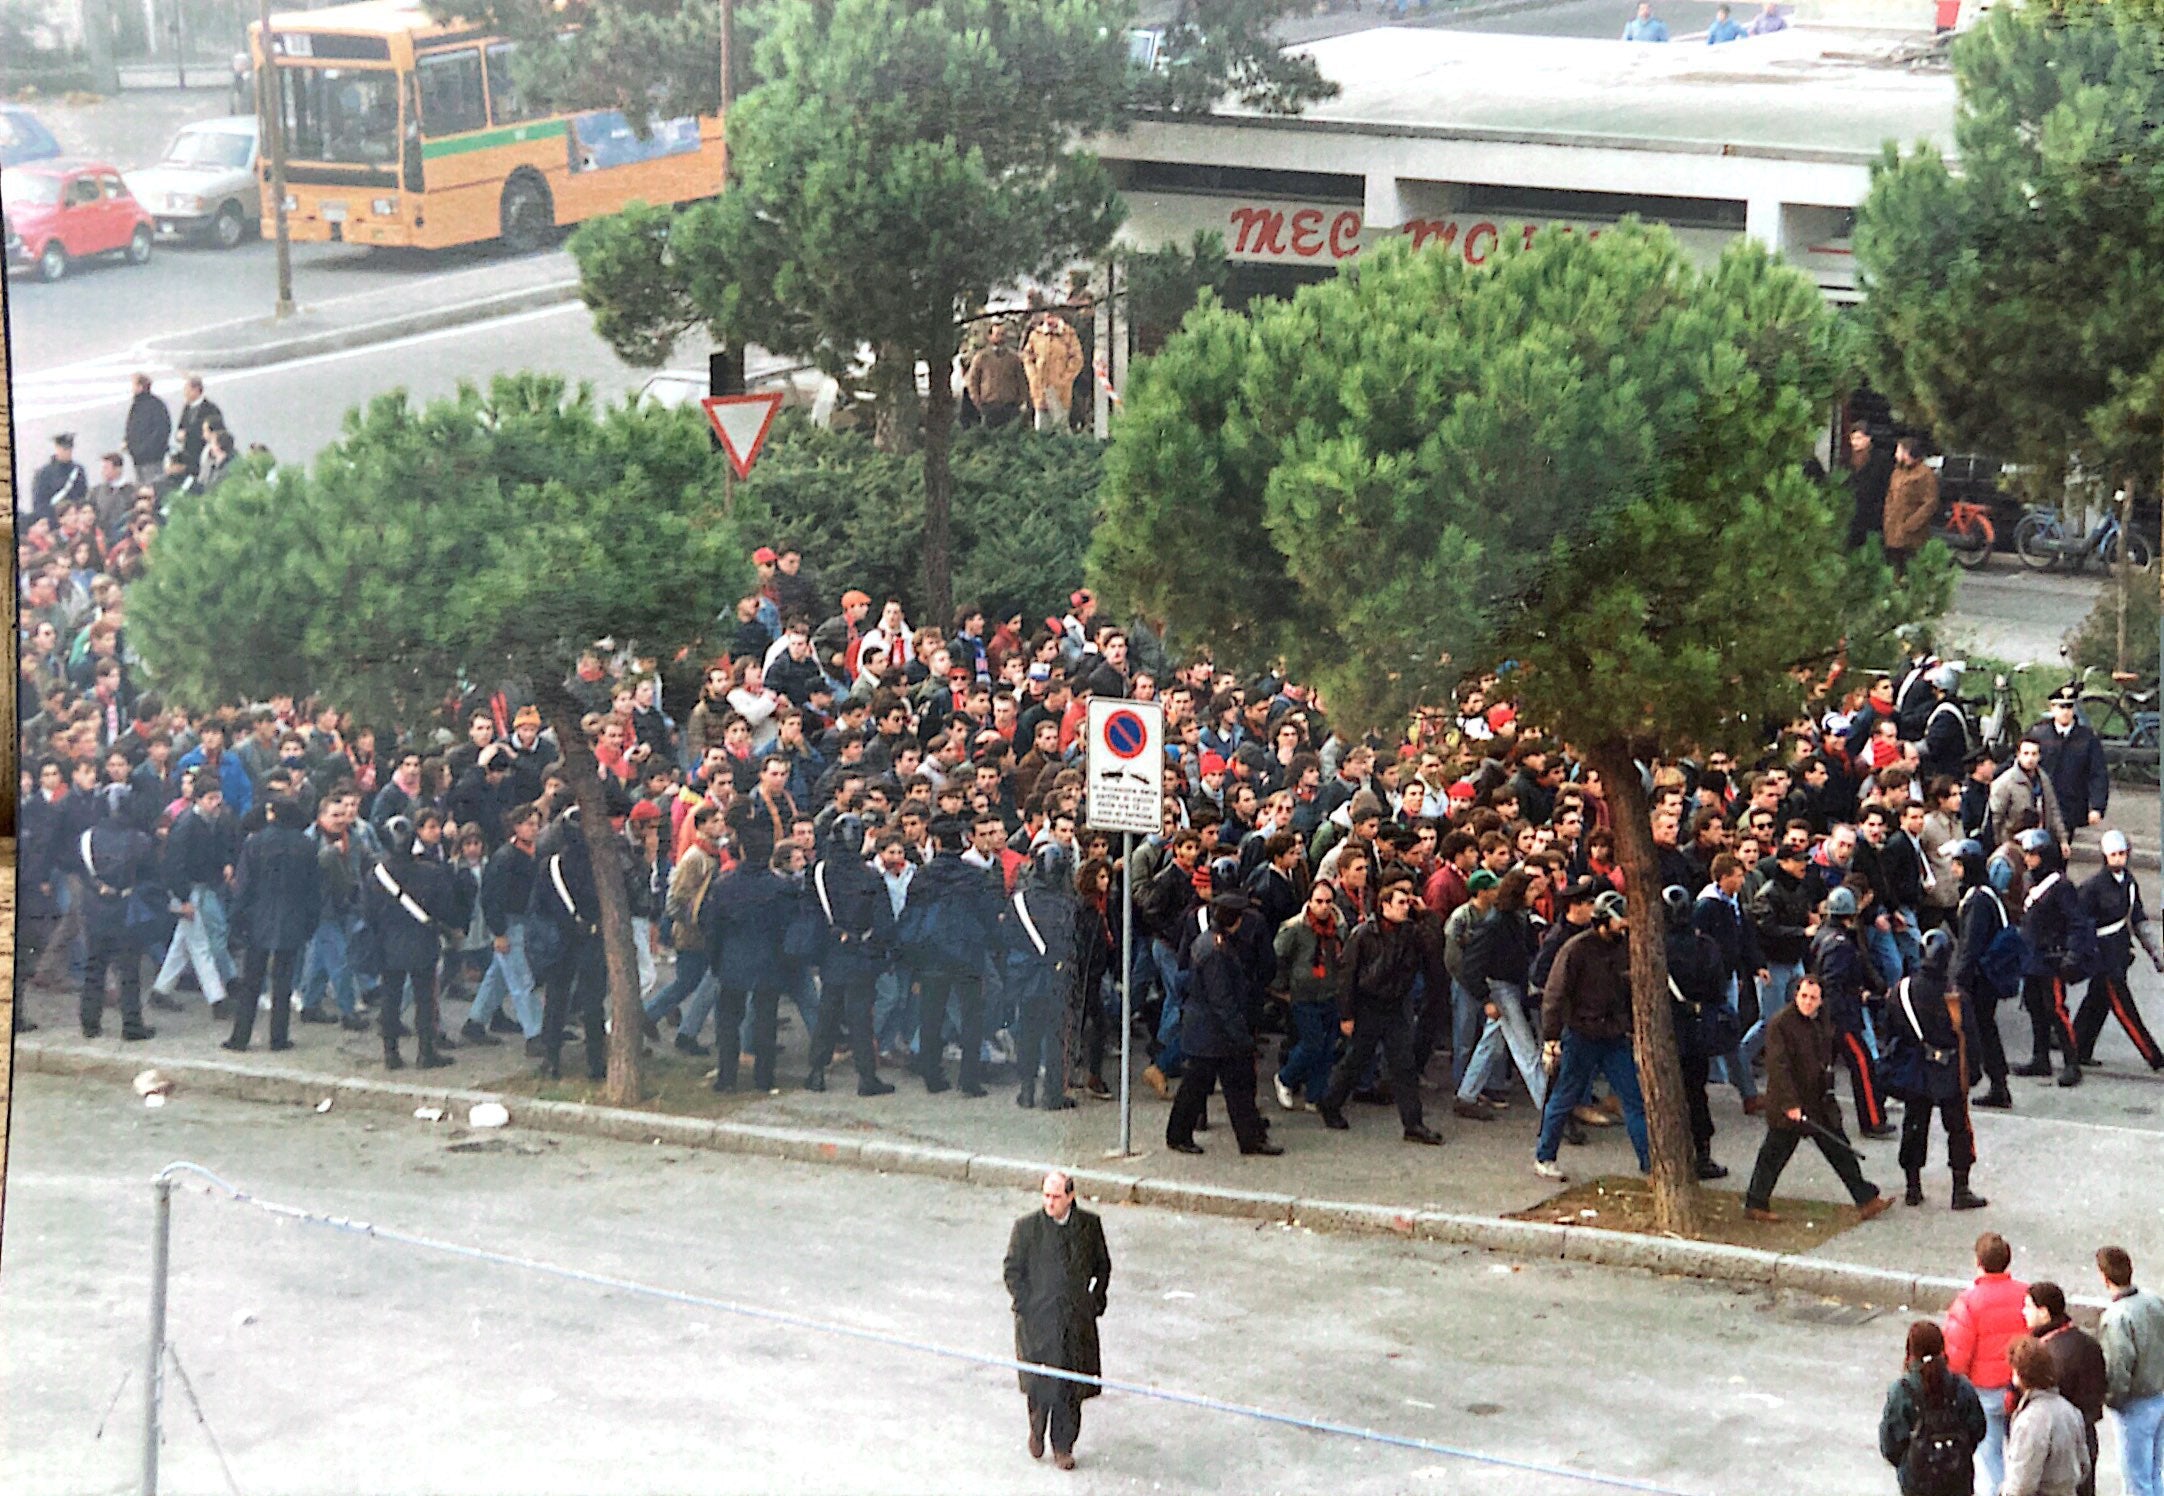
<point x="98" y="47"/>
<point x="895" y="414"/>
<point x="939" y="484"/>
<point x="2125" y="578"/>
<point x="604" y="847"/>
<point x="1653" y="1036"/>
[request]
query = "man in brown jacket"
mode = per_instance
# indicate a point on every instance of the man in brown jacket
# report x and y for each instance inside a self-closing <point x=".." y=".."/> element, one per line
<point x="1912" y="502"/>
<point x="1800" y="1103"/>
<point x="1053" y="356"/>
<point x="998" y="385"/>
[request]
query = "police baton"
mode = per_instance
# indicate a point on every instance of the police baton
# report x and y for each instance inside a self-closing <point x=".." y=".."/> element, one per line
<point x="1833" y="1139"/>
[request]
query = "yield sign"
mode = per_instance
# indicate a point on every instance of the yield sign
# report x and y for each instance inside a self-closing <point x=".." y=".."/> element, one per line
<point x="742" y="422"/>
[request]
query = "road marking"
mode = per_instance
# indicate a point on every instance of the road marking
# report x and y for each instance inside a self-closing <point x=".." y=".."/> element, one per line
<point x="110" y="375"/>
<point x="2147" y="1134"/>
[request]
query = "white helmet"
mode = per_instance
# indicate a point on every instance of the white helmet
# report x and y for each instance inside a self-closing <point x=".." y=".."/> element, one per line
<point x="2112" y="841"/>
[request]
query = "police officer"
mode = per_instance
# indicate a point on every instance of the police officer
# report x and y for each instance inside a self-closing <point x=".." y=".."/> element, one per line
<point x="1846" y="977"/>
<point x="1927" y="1070"/>
<point x="412" y="903"/>
<point x="1945" y="727"/>
<point x="2073" y="760"/>
<point x="1981" y="918"/>
<point x="2062" y="949"/>
<point x="2113" y="901"/>
<point x="1040" y="933"/>
<point x="566" y="924"/>
<point x="1698" y="989"/>
<point x="277" y="902"/>
<point x="860" y="946"/>
<point x="114" y="857"/>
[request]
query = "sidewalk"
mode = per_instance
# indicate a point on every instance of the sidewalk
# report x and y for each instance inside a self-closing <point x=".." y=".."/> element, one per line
<point x="2065" y="1172"/>
<point x="496" y="286"/>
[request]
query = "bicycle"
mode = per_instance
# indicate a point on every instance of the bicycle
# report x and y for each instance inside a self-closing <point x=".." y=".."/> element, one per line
<point x="2126" y="721"/>
<point x="2042" y="541"/>
<point x="1968" y="533"/>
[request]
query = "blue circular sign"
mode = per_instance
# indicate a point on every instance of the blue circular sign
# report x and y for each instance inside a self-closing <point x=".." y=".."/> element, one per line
<point x="1125" y="734"/>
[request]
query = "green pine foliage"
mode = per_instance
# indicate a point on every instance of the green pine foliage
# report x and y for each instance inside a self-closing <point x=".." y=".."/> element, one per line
<point x="1587" y="456"/>
<point x="481" y="537"/>
<point x="1024" y="508"/>
<point x="2017" y="306"/>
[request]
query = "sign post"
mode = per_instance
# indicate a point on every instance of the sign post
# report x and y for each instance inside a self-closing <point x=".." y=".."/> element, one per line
<point x="1125" y="777"/>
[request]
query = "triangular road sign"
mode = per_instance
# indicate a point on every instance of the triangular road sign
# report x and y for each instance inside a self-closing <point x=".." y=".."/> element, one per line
<point x="742" y="422"/>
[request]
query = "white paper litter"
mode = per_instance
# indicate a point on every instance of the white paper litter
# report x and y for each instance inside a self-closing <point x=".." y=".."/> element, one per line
<point x="488" y="1114"/>
<point x="152" y="1082"/>
<point x="154" y="1099"/>
<point x="324" y="1105"/>
<point x="429" y="1113"/>
<point x="1178" y="1293"/>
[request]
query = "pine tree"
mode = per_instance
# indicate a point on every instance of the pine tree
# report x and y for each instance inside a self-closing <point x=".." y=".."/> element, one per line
<point x="1585" y="458"/>
<point x="481" y="538"/>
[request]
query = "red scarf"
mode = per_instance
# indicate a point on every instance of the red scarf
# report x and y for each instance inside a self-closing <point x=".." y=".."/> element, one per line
<point x="1326" y="942"/>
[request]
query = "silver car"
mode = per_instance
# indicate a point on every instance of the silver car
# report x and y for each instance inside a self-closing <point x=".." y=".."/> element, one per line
<point x="205" y="188"/>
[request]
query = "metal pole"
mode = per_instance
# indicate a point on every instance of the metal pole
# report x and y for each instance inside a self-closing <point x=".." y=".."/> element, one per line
<point x="161" y="1242"/>
<point x="1127" y="992"/>
<point x="272" y="115"/>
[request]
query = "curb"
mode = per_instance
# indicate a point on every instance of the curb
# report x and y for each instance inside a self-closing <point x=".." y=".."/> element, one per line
<point x="188" y="351"/>
<point x="1852" y="1283"/>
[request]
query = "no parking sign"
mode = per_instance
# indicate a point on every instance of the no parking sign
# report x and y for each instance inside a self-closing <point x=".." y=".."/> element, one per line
<point x="1126" y="765"/>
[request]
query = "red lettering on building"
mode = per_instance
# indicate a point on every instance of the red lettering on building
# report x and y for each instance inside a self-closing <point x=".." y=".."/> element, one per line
<point x="1472" y="236"/>
<point x="1442" y="230"/>
<point x="1259" y="231"/>
<point x="1345" y="236"/>
<point x="1530" y="230"/>
<point x="1307" y="233"/>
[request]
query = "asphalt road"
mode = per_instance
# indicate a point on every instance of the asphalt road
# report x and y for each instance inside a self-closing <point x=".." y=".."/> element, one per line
<point x="328" y="1363"/>
<point x="2011" y="613"/>
<point x="1603" y="20"/>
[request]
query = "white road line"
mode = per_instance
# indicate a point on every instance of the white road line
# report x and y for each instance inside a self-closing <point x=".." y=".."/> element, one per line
<point x="29" y="407"/>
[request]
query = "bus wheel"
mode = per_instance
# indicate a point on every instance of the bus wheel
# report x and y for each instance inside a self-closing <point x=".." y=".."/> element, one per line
<point x="527" y="216"/>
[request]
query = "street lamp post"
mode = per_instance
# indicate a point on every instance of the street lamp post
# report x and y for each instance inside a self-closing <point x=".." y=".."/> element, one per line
<point x="270" y="112"/>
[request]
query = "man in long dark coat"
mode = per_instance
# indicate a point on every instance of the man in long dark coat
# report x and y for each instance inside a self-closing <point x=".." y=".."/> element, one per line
<point x="1058" y="1272"/>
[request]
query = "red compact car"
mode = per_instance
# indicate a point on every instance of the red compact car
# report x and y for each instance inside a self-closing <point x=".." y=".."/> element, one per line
<point x="62" y="211"/>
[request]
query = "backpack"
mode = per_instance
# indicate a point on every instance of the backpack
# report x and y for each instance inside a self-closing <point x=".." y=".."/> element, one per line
<point x="1938" y="1458"/>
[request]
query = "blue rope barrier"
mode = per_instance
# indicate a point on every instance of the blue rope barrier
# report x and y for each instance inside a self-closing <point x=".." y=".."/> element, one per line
<point x="907" y="1343"/>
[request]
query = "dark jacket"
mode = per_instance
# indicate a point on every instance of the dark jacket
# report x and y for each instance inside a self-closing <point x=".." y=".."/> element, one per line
<point x="1902" y="1415"/>
<point x="473" y="801"/>
<point x="1780" y="912"/>
<point x="278" y="897"/>
<point x="2080" y="1361"/>
<point x="123" y="857"/>
<point x="1904" y="866"/>
<point x="564" y="894"/>
<point x="965" y="902"/>
<point x="1844" y="973"/>
<point x="1057" y="1278"/>
<point x="1921" y="1067"/>
<point x="1728" y="928"/>
<point x="407" y="943"/>
<point x="1381" y="962"/>
<point x="1699" y="971"/>
<point x="1589" y="989"/>
<point x="743" y="918"/>
<point x="2062" y="939"/>
<point x="1981" y="915"/>
<point x="860" y="933"/>
<point x="2074" y="763"/>
<point x="1500" y="949"/>
<point x="2113" y="904"/>
<point x="1799" y="1070"/>
<point x="198" y="852"/>
<point x="507" y="886"/>
<point x="150" y="432"/>
<point x="1313" y="968"/>
<point x="1213" y="1019"/>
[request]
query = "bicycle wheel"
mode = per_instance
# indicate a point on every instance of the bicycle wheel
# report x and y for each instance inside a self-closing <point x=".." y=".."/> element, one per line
<point x="2108" y="716"/>
<point x="1971" y="545"/>
<point x="2036" y="542"/>
<point x="2137" y="550"/>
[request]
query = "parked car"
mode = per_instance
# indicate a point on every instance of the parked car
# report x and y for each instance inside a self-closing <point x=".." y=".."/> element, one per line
<point x="24" y="138"/>
<point x="59" y="212"/>
<point x="205" y="187"/>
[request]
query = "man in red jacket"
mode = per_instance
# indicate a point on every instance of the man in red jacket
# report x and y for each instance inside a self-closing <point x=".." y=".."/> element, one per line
<point x="1982" y="1323"/>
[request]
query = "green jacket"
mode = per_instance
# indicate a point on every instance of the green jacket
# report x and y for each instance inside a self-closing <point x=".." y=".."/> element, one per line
<point x="2132" y="1335"/>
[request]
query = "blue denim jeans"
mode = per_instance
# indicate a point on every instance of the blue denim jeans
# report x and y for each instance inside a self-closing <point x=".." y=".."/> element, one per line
<point x="203" y="943"/>
<point x="691" y="969"/>
<point x="1991" y="1454"/>
<point x="328" y="968"/>
<point x="1315" y="1034"/>
<point x="891" y="1008"/>
<point x="1731" y="1068"/>
<point x="1583" y="1059"/>
<point x="509" y="975"/>
<point x="2141" y="1445"/>
<point x="1511" y="1033"/>
<point x="1169" y="1054"/>
<point x="1774" y="994"/>
<point x="1467" y="1020"/>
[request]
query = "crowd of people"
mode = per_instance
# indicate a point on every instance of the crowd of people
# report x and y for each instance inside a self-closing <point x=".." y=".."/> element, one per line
<point x="2009" y="1388"/>
<point x="886" y="825"/>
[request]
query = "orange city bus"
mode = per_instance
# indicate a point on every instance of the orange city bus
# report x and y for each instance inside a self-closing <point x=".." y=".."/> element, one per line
<point x="401" y="130"/>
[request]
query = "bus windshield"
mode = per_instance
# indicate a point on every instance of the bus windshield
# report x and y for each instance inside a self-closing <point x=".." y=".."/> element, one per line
<point x="341" y="114"/>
